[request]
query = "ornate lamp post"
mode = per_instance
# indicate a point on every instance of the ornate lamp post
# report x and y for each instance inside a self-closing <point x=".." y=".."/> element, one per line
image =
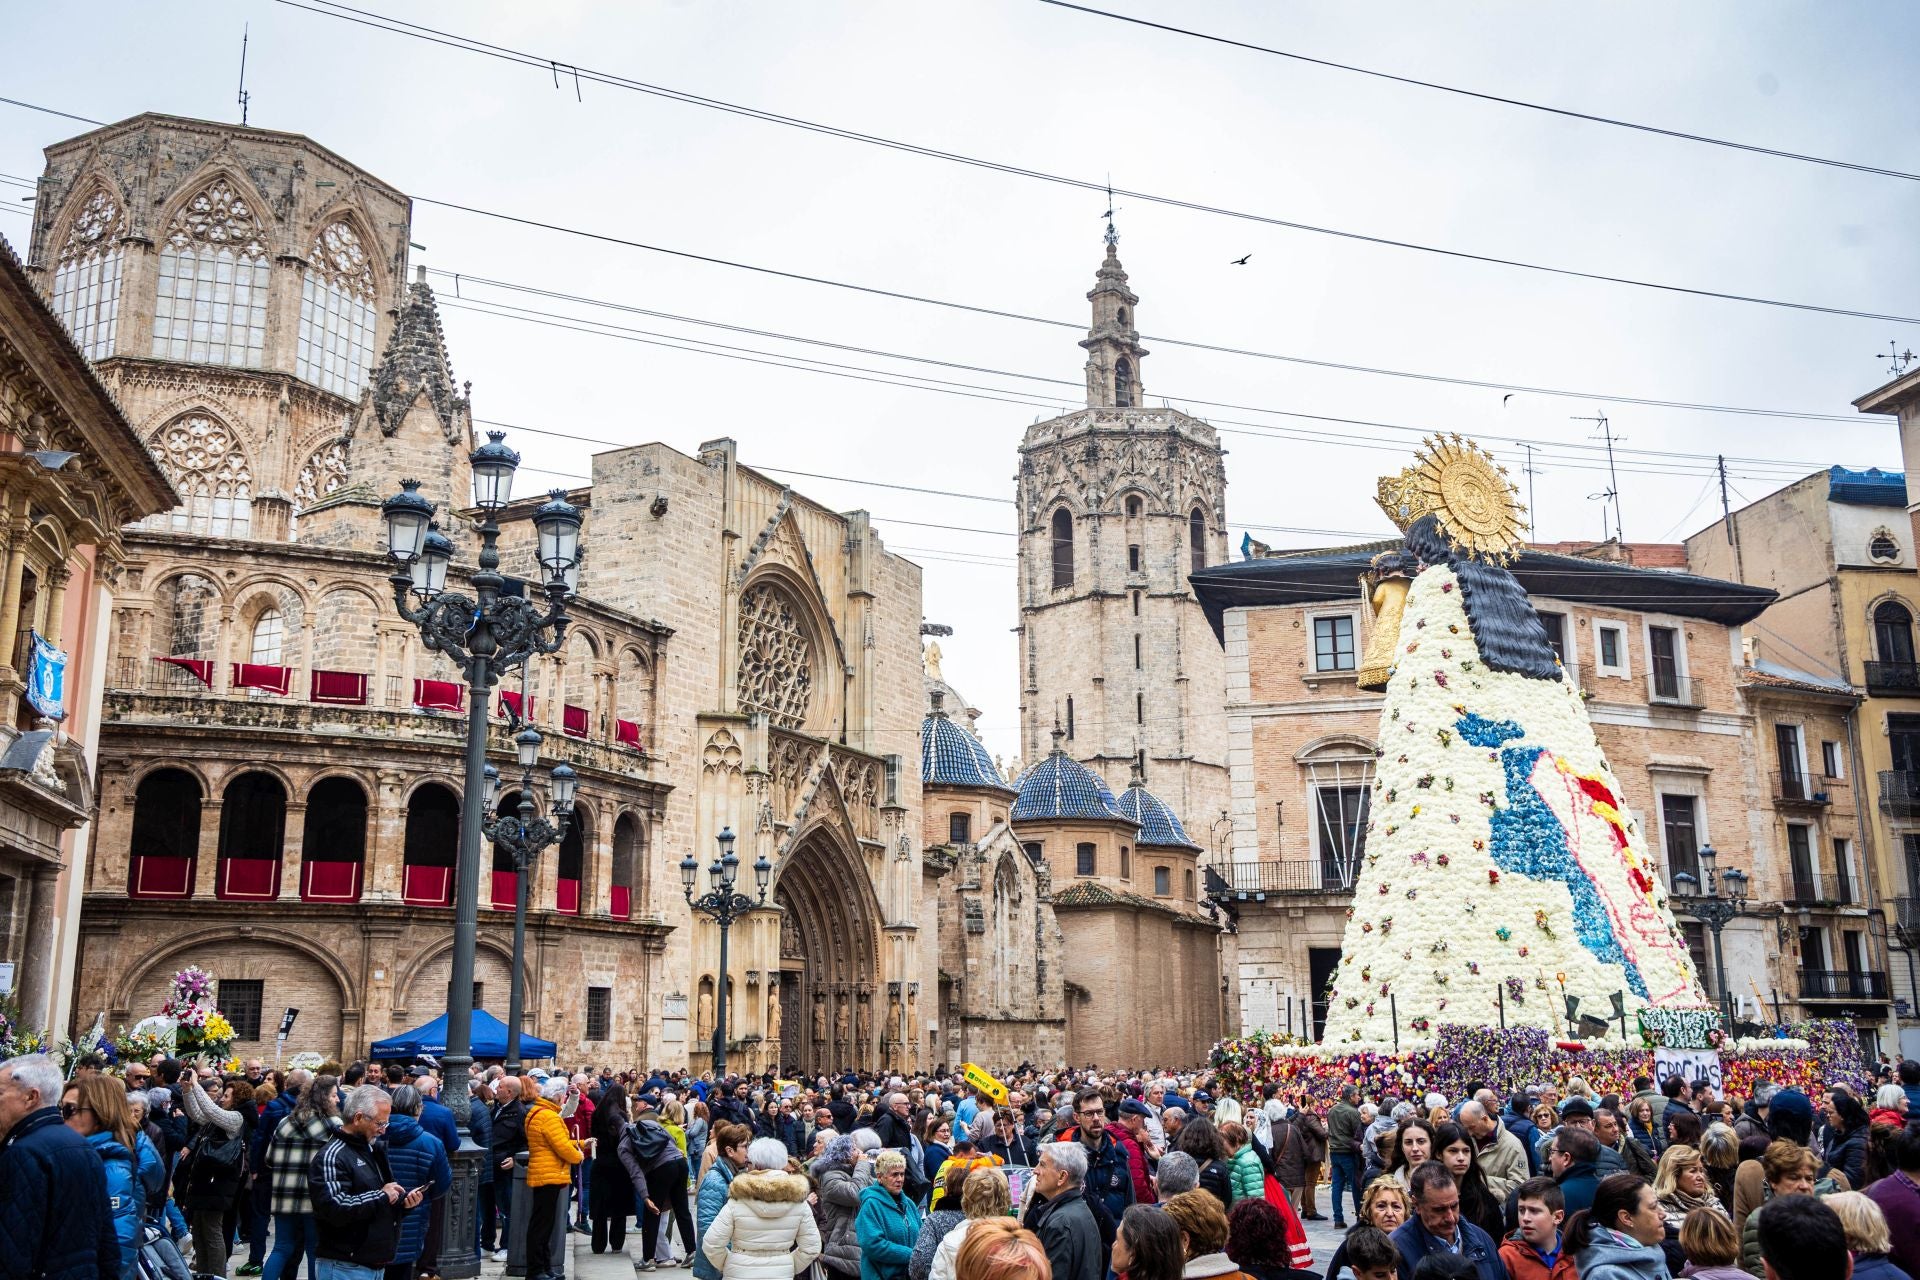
<point x="523" y="836"/>
<point x="487" y="633"/>
<point x="1714" y="908"/>
<point x="723" y="906"/>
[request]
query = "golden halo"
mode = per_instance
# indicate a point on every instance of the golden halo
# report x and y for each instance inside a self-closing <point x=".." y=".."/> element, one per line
<point x="1470" y="494"/>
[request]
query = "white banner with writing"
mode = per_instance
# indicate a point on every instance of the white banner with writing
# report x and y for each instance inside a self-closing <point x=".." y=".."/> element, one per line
<point x="1695" y="1066"/>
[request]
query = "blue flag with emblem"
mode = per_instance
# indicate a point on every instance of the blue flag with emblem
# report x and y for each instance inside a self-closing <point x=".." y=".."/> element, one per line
<point x="47" y="680"/>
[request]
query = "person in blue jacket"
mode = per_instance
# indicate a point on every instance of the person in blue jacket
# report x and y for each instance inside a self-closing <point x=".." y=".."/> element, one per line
<point x="418" y="1159"/>
<point x="888" y="1224"/>
<point x="95" y="1107"/>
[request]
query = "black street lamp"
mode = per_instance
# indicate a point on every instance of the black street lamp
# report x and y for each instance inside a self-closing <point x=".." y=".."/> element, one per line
<point x="523" y="836"/>
<point x="1714" y="908"/>
<point x="723" y="906"/>
<point x="487" y="633"/>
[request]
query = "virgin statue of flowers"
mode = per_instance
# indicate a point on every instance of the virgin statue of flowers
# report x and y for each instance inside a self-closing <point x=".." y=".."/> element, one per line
<point x="1502" y="872"/>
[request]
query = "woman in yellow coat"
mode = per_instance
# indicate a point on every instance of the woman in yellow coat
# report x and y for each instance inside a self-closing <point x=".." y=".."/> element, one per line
<point x="551" y="1155"/>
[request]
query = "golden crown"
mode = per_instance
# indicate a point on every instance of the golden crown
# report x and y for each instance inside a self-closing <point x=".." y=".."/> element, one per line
<point x="1455" y="481"/>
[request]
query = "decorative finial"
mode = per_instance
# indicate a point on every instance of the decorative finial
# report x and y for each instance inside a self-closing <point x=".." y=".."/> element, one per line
<point x="1059" y="736"/>
<point x="939" y="700"/>
<point x="1112" y="237"/>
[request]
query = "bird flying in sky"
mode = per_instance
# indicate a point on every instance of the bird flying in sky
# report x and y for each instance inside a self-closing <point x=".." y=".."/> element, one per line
<point x="1241" y="262"/>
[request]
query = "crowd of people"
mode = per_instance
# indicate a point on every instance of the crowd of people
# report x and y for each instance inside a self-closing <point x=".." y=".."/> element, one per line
<point x="165" y="1170"/>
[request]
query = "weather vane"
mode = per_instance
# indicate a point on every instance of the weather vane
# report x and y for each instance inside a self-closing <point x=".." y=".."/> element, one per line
<point x="1113" y="237"/>
<point x="1897" y="360"/>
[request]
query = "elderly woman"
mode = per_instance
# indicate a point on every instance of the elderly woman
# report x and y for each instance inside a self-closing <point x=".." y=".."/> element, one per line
<point x="1889" y="1105"/>
<point x="1788" y="1169"/>
<point x="888" y="1223"/>
<point x="841" y="1175"/>
<point x="1681" y="1184"/>
<point x="766" y="1229"/>
<point x="1385" y="1206"/>
<point x="1867" y="1236"/>
<point x="551" y="1155"/>
<point x="984" y="1195"/>
<point x="418" y="1159"/>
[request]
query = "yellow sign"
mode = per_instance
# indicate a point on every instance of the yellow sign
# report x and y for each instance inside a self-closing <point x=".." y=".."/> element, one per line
<point x="985" y="1083"/>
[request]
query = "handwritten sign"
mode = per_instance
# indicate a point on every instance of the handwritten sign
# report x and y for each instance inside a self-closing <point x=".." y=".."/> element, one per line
<point x="1695" y="1066"/>
<point x="1680" y="1028"/>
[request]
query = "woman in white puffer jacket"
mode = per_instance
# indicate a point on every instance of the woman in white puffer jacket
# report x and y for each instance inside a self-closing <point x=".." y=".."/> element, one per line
<point x="766" y="1230"/>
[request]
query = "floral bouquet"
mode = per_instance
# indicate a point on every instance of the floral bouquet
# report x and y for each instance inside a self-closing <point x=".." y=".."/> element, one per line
<point x="17" y="1039"/>
<point x="198" y="1025"/>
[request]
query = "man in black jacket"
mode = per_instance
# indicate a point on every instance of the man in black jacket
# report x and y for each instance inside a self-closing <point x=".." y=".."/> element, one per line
<point x="357" y="1205"/>
<point x="55" y="1220"/>
<point x="1062" y="1216"/>
<point x="509" y="1139"/>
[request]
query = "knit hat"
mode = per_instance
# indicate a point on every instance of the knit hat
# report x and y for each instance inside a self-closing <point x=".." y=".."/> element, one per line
<point x="1791" y="1102"/>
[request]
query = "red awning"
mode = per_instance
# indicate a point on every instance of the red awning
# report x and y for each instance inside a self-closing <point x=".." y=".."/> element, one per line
<point x="349" y="688"/>
<point x="439" y="695"/>
<point x="253" y="675"/>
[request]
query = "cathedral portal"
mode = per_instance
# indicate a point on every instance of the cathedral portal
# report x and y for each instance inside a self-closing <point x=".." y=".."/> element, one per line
<point x="830" y="1001"/>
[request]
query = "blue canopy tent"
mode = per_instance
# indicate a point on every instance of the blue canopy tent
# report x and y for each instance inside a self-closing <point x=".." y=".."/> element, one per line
<point x="489" y="1041"/>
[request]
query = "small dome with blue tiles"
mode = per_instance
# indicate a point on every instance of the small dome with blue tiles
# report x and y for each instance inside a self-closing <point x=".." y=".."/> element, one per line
<point x="950" y="756"/>
<point x="1159" y="825"/>
<point x="1061" y="787"/>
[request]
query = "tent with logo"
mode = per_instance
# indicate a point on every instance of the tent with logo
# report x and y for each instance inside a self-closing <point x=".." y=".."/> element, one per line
<point x="489" y="1041"/>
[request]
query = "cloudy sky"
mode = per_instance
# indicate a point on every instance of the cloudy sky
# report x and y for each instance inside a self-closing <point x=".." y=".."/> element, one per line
<point x="1025" y="84"/>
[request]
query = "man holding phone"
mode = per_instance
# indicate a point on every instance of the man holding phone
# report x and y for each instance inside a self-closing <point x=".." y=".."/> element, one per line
<point x="357" y="1205"/>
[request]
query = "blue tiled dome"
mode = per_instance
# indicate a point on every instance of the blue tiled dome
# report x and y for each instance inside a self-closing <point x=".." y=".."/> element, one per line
<point x="952" y="757"/>
<point x="1159" y="825"/>
<point x="1062" y="787"/>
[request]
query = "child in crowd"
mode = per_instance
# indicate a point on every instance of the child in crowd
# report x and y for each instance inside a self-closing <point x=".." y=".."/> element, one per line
<point x="1533" y="1251"/>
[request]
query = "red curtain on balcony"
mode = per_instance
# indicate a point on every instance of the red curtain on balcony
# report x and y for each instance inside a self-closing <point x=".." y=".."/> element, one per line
<point x="248" y="879"/>
<point x="622" y="907"/>
<point x="566" y="897"/>
<point x="505" y="890"/>
<point x="200" y="669"/>
<point x="627" y="733"/>
<point x="439" y="695"/>
<point x="330" y="882"/>
<point x="575" y="720"/>
<point x="253" y="675"/>
<point x="427" y="886"/>
<point x="510" y="705"/>
<point x="161" y="878"/>
<point x="348" y="688"/>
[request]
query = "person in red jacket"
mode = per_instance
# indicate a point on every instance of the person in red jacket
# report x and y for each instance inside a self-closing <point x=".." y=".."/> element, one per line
<point x="1533" y="1252"/>
<point x="1127" y="1133"/>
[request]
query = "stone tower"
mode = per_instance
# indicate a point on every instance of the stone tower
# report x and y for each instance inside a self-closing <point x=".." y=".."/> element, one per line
<point x="1118" y="503"/>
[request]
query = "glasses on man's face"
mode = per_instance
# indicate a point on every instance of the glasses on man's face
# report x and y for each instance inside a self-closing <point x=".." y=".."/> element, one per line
<point x="1093" y="1114"/>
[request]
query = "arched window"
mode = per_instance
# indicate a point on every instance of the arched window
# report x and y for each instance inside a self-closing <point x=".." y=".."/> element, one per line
<point x="1187" y="875"/>
<point x="1126" y="863"/>
<point x="322" y="473"/>
<point x="211" y="307"/>
<point x="1197" y="539"/>
<point x="572" y="864"/>
<point x="269" y="635"/>
<point x="333" y="841"/>
<point x="1123" y="382"/>
<point x="1120" y="317"/>
<point x="1062" y="548"/>
<point x="166" y="835"/>
<point x="253" y="829"/>
<point x="1163" y="882"/>
<point x="336" y="313"/>
<point x="86" y="281"/>
<point x="211" y="475"/>
<point x="628" y="849"/>
<point x="1133" y="505"/>
<point x="1893" y="632"/>
<point x="432" y="846"/>
<point x="1882" y="546"/>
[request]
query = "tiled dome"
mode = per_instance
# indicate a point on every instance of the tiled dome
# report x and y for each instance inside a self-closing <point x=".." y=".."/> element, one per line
<point x="952" y="757"/>
<point x="1159" y="825"/>
<point x="1061" y="787"/>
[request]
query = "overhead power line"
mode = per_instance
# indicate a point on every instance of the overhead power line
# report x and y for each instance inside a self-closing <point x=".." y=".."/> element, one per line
<point x="1682" y="135"/>
<point x="1191" y="344"/>
<point x="527" y="58"/>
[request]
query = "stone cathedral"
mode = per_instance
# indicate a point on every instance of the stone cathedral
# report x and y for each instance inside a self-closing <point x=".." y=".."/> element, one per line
<point x="279" y="761"/>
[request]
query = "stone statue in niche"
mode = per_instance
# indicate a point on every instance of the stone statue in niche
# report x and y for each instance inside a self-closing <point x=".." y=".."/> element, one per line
<point x="819" y="1018"/>
<point x="865" y="1024"/>
<point x="773" y="1016"/>
<point x="704" y="1023"/>
<point x="840" y="1018"/>
<point x="893" y="1013"/>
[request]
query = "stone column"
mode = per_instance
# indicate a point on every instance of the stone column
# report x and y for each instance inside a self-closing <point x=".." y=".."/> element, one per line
<point x="386" y="839"/>
<point x="293" y="845"/>
<point x="57" y="579"/>
<point x="223" y="653"/>
<point x="35" y="983"/>
<point x="206" y="871"/>
<point x="10" y="607"/>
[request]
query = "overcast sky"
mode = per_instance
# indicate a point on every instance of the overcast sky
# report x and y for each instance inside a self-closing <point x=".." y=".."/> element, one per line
<point x="1022" y="83"/>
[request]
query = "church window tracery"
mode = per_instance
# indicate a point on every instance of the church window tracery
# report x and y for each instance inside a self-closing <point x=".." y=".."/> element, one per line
<point x="1197" y="539"/>
<point x="1123" y="382"/>
<point x="323" y="473"/>
<point x="337" y="316"/>
<point x="211" y="305"/>
<point x="211" y="474"/>
<point x="776" y="658"/>
<point x="86" y="283"/>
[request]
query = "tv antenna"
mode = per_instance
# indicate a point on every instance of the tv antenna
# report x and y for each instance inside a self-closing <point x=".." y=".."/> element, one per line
<point x="245" y="97"/>
<point x="1529" y="471"/>
<point x="1897" y="360"/>
<point x="1612" y="492"/>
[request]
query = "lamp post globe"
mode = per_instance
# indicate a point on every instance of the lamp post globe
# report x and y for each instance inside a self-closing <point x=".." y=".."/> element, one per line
<point x="493" y="466"/>
<point x="407" y="515"/>
<point x="429" y="568"/>
<point x="557" y="522"/>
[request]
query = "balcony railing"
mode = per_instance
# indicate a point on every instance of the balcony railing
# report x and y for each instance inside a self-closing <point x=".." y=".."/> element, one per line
<point x="1900" y="793"/>
<point x="1253" y="880"/>
<point x="1797" y="789"/>
<point x="1906" y="916"/>
<point x="1672" y="690"/>
<point x="1805" y="892"/>
<point x="1842" y="984"/>
<point x="1898" y="679"/>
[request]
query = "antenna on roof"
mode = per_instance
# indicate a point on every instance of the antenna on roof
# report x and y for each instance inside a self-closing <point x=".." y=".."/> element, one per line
<point x="1612" y="493"/>
<point x="245" y="97"/>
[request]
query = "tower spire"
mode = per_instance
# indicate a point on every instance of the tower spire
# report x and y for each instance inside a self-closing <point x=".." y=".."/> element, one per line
<point x="1112" y="343"/>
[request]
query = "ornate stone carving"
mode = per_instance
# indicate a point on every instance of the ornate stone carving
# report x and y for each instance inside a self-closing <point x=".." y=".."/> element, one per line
<point x="722" y="753"/>
<point x="776" y="658"/>
<point x="323" y="473"/>
<point x="205" y="462"/>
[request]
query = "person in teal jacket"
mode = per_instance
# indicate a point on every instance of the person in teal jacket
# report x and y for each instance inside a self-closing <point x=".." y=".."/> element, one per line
<point x="888" y="1223"/>
<point x="1247" y="1174"/>
<point x="730" y="1142"/>
<point x="95" y="1107"/>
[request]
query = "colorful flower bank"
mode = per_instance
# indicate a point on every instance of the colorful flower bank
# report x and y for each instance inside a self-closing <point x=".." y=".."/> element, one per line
<point x="1806" y="1056"/>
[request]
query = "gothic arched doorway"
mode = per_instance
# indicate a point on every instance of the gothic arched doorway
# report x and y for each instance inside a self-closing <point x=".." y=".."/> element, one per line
<point x="830" y="1000"/>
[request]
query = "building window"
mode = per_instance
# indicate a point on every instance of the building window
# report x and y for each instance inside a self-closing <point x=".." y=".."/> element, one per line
<point x="1123" y="382"/>
<point x="1663" y="652"/>
<point x="1133" y="559"/>
<point x="1696" y="935"/>
<point x="1188" y="874"/>
<point x="1083" y="859"/>
<point x="1139" y="708"/>
<point x="1069" y="717"/>
<point x="1843" y="870"/>
<point x="240" y="999"/>
<point x="1136" y="653"/>
<point x="1893" y="633"/>
<point x="1610" y="640"/>
<point x="86" y="283"/>
<point x="337" y="316"/>
<point x="1333" y="643"/>
<point x="1806" y="882"/>
<point x="211" y="306"/>
<point x="599" y="1013"/>
<point x="1126" y="863"/>
<point x="479" y="995"/>
<point x="1340" y="825"/>
<point x="1883" y="547"/>
<point x="1162" y="882"/>
<point x="1136" y="604"/>
<point x="1197" y="539"/>
<point x="1831" y="765"/>
<point x="1680" y="832"/>
<point x="1062" y="549"/>
<point x="210" y="473"/>
<point x="1786" y="751"/>
<point x="1032" y="849"/>
<point x="959" y="828"/>
<point x="269" y="631"/>
<point x="1555" y="625"/>
<point x="1133" y="505"/>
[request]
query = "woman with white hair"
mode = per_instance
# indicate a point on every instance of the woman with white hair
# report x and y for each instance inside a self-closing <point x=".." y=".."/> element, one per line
<point x="766" y="1229"/>
<point x="842" y="1175"/>
<point x="551" y="1155"/>
<point x="888" y="1222"/>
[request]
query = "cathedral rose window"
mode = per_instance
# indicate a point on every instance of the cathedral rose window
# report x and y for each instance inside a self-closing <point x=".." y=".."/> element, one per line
<point x="776" y="658"/>
<point x="210" y="473"/>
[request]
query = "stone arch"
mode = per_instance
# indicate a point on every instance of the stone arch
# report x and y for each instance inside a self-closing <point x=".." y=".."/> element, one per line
<point x="627" y="868"/>
<point x="1334" y="744"/>
<point x="88" y="252"/>
<point x="1890" y="619"/>
<point x="204" y="179"/>
<point x="163" y="842"/>
<point x="492" y="967"/>
<point x="344" y="208"/>
<point x="94" y="179"/>
<point x="208" y="460"/>
<point x="833" y="921"/>
<point x="334" y="836"/>
<point x="787" y="651"/>
<point x="152" y="971"/>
